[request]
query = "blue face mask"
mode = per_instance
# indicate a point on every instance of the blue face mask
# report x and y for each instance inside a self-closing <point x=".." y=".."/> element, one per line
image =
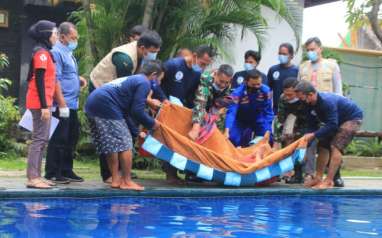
<point x="283" y="59"/>
<point x="72" y="45"/>
<point x="312" y="56"/>
<point x="151" y="56"/>
<point x="248" y="66"/>
<point x="197" y="68"/>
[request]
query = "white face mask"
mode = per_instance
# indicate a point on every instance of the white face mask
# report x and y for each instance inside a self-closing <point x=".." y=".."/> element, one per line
<point x="217" y="88"/>
<point x="293" y="100"/>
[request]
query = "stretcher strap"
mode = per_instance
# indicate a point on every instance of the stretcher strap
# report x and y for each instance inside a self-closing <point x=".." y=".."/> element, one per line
<point x="160" y="151"/>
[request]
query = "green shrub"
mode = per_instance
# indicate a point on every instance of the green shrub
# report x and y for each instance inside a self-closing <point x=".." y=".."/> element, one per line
<point x="85" y="147"/>
<point x="144" y="163"/>
<point x="365" y="147"/>
<point x="3" y="61"/>
<point x="9" y="117"/>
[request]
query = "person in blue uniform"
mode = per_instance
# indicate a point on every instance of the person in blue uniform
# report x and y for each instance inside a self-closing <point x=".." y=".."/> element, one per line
<point x="252" y="60"/>
<point x="182" y="75"/>
<point x="341" y="118"/>
<point x="252" y="111"/>
<point x="181" y="80"/>
<point x="278" y="73"/>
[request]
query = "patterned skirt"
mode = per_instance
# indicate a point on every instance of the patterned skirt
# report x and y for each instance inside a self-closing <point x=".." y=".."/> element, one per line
<point x="110" y="136"/>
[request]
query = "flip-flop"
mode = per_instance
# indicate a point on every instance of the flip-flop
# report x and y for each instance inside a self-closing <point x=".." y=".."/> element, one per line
<point x="38" y="183"/>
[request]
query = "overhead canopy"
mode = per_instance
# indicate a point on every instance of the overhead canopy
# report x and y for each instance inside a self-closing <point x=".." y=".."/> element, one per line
<point x="312" y="3"/>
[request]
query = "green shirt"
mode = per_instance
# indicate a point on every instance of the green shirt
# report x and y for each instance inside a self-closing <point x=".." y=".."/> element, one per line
<point x="123" y="64"/>
<point x="205" y="97"/>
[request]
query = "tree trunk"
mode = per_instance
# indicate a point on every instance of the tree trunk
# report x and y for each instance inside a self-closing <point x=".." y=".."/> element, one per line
<point x="90" y="24"/>
<point x="373" y="18"/>
<point x="147" y="15"/>
<point x="162" y="11"/>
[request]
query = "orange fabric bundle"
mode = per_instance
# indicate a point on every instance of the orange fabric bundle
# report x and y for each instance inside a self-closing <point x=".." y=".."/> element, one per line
<point x="217" y="151"/>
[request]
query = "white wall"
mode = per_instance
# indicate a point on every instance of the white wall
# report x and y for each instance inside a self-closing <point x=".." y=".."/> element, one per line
<point x="278" y="32"/>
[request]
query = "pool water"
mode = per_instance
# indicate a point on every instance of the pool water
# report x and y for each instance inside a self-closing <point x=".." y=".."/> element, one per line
<point x="265" y="216"/>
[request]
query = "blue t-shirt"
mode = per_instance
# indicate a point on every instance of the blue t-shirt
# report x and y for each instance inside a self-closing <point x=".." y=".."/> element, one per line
<point x="238" y="78"/>
<point x="276" y="76"/>
<point x="180" y="81"/>
<point x="120" y="97"/>
<point x="333" y="110"/>
<point x="67" y="74"/>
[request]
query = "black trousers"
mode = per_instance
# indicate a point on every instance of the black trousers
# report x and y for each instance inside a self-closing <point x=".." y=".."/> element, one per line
<point x="62" y="145"/>
<point x="103" y="166"/>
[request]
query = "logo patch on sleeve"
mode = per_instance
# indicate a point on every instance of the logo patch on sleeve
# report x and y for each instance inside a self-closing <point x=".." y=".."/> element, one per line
<point x="43" y="57"/>
<point x="240" y="80"/>
<point x="179" y="76"/>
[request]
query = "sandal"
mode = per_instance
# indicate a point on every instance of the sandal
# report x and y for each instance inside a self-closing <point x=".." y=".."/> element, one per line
<point x="38" y="183"/>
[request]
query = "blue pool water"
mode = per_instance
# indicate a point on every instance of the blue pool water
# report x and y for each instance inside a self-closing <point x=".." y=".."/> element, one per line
<point x="266" y="216"/>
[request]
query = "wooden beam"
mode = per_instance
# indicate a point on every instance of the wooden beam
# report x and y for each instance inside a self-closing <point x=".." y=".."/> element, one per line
<point x="356" y="51"/>
<point x="369" y="134"/>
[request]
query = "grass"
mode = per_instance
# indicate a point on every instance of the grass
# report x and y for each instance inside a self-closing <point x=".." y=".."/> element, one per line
<point x="89" y="169"/>
<point x="361" y="172"/>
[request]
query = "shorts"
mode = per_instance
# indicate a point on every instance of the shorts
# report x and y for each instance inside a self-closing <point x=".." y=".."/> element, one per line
<point x="343" y="137"/>
<point x="110" y="136"/>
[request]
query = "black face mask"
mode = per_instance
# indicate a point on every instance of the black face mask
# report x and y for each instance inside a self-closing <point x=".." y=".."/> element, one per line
<point x="252" y="90"/>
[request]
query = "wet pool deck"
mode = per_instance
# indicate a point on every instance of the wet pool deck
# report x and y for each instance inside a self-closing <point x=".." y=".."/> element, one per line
<point x="15" y="188"/>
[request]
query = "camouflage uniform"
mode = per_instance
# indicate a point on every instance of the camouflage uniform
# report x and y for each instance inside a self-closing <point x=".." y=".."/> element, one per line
<point x="205" y="99"/>
<point x="303" y="122"/>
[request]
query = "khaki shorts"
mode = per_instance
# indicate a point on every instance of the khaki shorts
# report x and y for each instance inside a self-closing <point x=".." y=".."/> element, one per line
<point x="343" y="137"/>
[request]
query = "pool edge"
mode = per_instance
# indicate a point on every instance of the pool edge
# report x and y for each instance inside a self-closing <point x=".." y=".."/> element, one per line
<point x="193" y="192"/>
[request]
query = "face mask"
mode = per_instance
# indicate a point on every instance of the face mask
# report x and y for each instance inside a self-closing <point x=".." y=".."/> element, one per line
<point x="248" y="66"/>
<point x="197" y="68"/>
<point x="312" y="56"/>
<point x="251" y="90"/>
<point x="283" y="59"/>
<point x="217" y="88"/>
<point x="72" y="45"/>
<point x="293" y="100"/>
<point x="151" y="56"/>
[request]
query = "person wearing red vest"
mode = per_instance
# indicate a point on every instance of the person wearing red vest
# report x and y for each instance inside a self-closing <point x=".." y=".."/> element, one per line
<point x="42" y="90"/>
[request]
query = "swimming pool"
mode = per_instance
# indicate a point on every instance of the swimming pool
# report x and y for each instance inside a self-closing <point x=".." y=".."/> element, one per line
<point x="258" y="216"/>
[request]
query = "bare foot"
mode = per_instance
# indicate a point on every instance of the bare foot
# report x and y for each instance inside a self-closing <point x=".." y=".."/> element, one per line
<point x="308" y="183"/>
<point x="117" y="183"/>
<point x="130" y="185"/>
<point x="324" y="184"/>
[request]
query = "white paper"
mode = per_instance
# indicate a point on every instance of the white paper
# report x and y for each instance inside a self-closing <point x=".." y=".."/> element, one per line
<point x="289" y="124"/>
<point x="175" y="101"/>
<point x="27" y="122"/>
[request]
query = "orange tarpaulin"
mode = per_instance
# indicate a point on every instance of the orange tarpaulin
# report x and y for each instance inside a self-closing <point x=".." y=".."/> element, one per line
<point x="217" y="151"/>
